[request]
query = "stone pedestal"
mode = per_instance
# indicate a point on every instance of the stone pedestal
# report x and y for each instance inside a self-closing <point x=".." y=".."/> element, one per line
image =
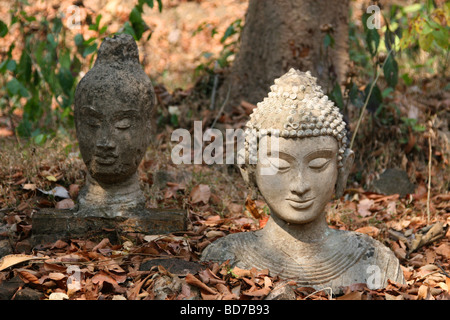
<point x="50" y="225"/>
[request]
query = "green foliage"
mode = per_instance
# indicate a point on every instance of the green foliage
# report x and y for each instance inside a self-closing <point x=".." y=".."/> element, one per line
<point x="136" y="25"/>
<point x="41" y="82"/>
<point x="229" y="49"/>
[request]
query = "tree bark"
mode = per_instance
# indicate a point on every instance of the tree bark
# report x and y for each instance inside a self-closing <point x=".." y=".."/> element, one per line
<point x="283" y="34"/>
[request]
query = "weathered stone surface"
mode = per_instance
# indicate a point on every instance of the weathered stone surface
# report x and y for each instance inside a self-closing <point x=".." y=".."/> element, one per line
<point x="113" y="108"/>
<point x="5" y="248"/>
<point x="297" y="158"/>
<point x="28" y="294"/>
<point x="113" y="112"/>
<point x="50" y="225"/>
<point x="8" y="288"/>
<point x="393" y="181"/>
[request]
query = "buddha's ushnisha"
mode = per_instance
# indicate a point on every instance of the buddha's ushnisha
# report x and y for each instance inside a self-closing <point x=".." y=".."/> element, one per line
<point x="311" y="164"/>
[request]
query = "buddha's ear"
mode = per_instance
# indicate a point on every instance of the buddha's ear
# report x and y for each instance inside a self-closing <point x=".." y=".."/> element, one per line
<point x="344" y="171"/>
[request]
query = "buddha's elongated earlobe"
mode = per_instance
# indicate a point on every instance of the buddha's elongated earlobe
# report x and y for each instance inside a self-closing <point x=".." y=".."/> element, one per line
<point x="344" y="171"/>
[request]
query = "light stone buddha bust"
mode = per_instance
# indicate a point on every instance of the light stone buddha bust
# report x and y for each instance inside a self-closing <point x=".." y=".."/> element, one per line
<point x="311" y="164"/>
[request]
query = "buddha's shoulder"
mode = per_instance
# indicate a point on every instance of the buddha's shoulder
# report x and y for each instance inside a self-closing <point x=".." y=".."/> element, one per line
<point x="361" y="240"/>
<point x="375" y="254"/>
<point x="227" y="248"/>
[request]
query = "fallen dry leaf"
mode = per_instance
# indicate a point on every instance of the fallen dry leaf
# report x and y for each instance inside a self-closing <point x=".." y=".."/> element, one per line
<point x="57" y="276"/>
<point x="200" y="193"/>
<point x="355" y="295"/>
<point x="250" y="205"/>
<point x="240" y="273"/>
<point x="364" y="207"/>
<point x="192" y="280"/>
<point x="444" y="250"/>
<point x="369" y="230"/>
<point x="13" y="259"/>
<point x="74" y="190"/>
<point x="28" y="277"/>
<point x="424" y="293"/>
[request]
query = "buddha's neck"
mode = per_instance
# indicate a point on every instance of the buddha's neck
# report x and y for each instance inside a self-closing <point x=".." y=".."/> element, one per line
<point x="126" y="193"/>
<point x="130" y="185"/>
<point x="312" y="232"/>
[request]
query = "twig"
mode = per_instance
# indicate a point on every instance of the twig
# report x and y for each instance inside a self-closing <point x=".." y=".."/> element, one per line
<point x="222" y="107"/>
<point x="213" y="94"/>
<point x="428" y="274"/>
<point x="442" y="269"/>
<point x="367" y="99"/>
<point x="327" y="288"/>
<point x="429" y="179"/>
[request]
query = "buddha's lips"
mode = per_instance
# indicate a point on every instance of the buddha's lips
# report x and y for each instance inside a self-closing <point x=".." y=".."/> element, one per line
<point x="297" y="203"/>
<point x="106" y="159"/>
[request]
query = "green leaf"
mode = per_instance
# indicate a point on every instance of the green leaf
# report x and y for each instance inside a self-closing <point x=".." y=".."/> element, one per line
<point x="137" y="23"/>
<point x="25" y="67"/>
<point x="57" y="25"/>
<point x="373" y="41"/>
<point x="103" y="29"/>
<point x="40" y="140"/>
<point x="51" y="41"/>
<point x="386" y="92"/>
<point x="91" y="49"/>
<point x="425" y="41"/>
<point x="78" y="39"/>
<point x="407" y="79"/>
<point x="390" y="69"/>
<point x="128" y="29"/>
<point x="3" y="29"/>
<point x="328" y="41"/>
<point x="66" y="80"/>
<point x="231" y="30"/>
<point x="16" y="88"/>
<point x="413" y="8"/>
<point x="8" y="64"/>
<point x="336" y="96"/>
<point x="160" y="5"/>
<point x="376" y="98"/>
<point x="389" y="39"/>
<point x="441" y="37"/>
<point x="11" y="65"/>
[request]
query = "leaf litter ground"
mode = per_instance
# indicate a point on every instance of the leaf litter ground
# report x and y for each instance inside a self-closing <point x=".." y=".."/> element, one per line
<point x="142" y="266"/>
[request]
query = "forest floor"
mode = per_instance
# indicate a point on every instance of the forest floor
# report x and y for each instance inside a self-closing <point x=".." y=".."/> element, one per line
<point x="216" y="200"/>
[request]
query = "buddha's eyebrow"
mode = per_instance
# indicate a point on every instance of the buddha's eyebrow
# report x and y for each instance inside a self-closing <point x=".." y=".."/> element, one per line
<point x="282" y="155"/>
<point x="328" y="153"/>
<point x="91" y="110"/>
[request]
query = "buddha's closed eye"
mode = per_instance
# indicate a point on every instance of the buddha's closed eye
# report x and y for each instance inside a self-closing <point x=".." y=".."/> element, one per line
<point x="123" y="124"/>
<point x="279" y="164"/>
<point x="319" y="163"/>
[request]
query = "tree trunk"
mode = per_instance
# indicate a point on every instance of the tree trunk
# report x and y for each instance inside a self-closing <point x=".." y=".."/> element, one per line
<point x="282" y="34"/>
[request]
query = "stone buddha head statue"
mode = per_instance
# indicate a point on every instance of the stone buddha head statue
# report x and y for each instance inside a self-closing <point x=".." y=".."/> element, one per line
<point x="312" y="161"/>
<point x="113" y="105"/>
<point x="296" y="157"/>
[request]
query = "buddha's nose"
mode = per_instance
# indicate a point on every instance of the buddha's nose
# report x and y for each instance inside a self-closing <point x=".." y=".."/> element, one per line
<point x="300" y="185"/>
<point x="106" y="142"/>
